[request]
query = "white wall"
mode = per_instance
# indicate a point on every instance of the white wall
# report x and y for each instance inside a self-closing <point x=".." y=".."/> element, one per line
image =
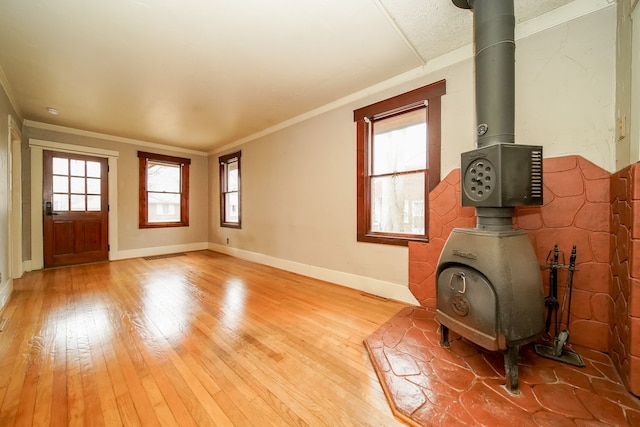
<point x="298" y="183"/>
<point x="5" y="280"/>
<point x="626" y="150"/>
<point x="566" y="87"/>
<point x="633" y="64"/>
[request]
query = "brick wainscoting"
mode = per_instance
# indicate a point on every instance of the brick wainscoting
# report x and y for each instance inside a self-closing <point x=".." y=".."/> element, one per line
<point x="625" y="280"/>
<point x="584" y="206"/>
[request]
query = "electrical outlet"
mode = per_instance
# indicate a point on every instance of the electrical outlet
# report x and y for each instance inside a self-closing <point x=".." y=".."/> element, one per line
<point x="227" y="240"/>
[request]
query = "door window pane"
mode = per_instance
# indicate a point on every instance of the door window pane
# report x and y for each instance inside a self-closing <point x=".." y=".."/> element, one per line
<point x="78" y="202"/>
<point x="77" y="185"/>
<point x="77" y="167"/>
<point x="60" y="184"/>
<point x="93" y="203"/>
<point x="93" y="169"/>
<point x="60" y="202"/>
<point x="93" y="186"/>
<point x="60" y="166"/>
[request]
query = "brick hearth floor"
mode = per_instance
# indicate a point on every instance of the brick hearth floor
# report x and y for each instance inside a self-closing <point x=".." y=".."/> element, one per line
<point x="464" y="385"/>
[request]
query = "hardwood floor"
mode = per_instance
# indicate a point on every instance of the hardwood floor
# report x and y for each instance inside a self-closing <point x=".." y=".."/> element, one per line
<point x="199" y="339"/>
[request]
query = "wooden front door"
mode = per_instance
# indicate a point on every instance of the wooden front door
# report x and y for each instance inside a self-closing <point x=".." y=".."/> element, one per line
<point x="76" y="211"/>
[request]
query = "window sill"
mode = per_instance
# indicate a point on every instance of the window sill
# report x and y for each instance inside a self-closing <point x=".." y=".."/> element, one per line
<point x="391" y="240"/>
<point x="230" y="225"/>
<point x="163" y="225"/>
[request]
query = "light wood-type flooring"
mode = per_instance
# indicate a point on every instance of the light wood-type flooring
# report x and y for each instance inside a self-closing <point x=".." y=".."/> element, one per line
<point x="192" y="340"/>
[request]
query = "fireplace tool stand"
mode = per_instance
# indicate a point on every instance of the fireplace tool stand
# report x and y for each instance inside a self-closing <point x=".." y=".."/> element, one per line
<point x="560" y="338"/>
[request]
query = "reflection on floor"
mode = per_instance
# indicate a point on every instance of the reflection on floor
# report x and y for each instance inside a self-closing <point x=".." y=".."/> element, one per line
<point x="464" y="385"/>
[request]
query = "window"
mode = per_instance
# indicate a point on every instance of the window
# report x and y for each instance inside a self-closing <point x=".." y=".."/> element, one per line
<point x="77" y="184"/>
<point x="398" y="162"/>
<point x="230" y="190"/>
<point x="164" y="191"/>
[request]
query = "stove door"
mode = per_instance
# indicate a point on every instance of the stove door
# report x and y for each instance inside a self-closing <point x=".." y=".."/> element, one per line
<point x="467" y="304"/>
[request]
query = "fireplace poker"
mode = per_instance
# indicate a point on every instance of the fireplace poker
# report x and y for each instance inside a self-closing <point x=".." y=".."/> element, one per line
<point x="551" y="302"/>
<point x="557" y="351"/>
<point x="563" y="337"/>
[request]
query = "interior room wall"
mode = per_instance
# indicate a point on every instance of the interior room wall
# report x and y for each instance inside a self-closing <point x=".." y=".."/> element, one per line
<point x="131" y="240"/>
<point x="627" y="151"/>
<point x="298" y="184"/>
<point x="633" y="56"/>
<point x="6" y="109"/>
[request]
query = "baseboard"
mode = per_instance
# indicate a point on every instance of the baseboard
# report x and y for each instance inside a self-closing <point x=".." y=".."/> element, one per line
<point x="142" y="252"/>
<point x="160" y="250"/>
<point x="369" y="285"/>
<point x="6" y="289"/>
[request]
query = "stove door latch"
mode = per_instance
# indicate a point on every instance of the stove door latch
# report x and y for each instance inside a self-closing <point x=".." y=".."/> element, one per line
<point x="463" y="279"/>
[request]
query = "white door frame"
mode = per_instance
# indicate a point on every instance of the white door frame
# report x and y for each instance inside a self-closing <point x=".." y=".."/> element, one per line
<point x="14" y="179"/>
<point x="37" y="146"/>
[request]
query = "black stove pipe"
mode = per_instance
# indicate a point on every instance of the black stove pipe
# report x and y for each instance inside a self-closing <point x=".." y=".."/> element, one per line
<point x="494" y="26"/>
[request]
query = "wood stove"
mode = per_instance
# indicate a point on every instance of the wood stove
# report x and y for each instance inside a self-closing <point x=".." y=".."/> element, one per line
<point x="489" y="285"/>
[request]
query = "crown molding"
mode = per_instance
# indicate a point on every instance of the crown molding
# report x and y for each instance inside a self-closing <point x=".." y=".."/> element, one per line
<point x="553" y="18"/>
<point x="104" y="136"/>
<point x="4" y="82"/>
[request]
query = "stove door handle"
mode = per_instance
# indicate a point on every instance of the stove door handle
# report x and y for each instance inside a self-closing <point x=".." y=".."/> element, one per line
<point x="462" y="277"/>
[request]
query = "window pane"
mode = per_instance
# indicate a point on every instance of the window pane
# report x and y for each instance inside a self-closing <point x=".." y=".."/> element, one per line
<point x="232" y="176"/>
<point x="163" y="178"/>
<point x="164" y="207"/>
<point x="400" y="143"/>
<point x="93" y="169"/>
<point x="93" y="186"/>
<point x="397" y="204"/>
<point x="77" y="167"/>
<point x="77" y="186"/>
<point x="77" y="202"/>
<point x="60" y="166"/>
<point x="60" y="184"/>
<point x="93" y="203"/>
<point x="231" y="205"/>
<point x="60" y="202"/>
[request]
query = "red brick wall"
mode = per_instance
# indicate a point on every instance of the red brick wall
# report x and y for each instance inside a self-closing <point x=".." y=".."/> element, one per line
<point x="576" y="211"/>
<point x="625" y="281"/>
<point x="583" y="205"/>
<point x="445" y="214"/>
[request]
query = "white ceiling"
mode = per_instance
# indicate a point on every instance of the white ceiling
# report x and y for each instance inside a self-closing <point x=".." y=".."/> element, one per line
<point x="201" y="74"/>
